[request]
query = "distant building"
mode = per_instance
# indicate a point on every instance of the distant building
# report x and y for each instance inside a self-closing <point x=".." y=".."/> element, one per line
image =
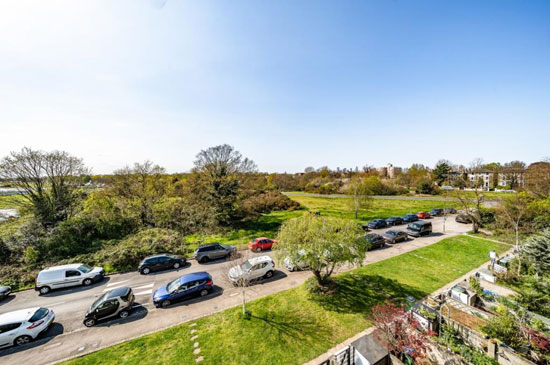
<point x="482" y="178"/>
<point x="390" y="171"/>
<point x="511" y="179"/>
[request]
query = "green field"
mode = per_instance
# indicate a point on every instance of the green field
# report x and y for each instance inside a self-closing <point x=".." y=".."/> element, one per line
<point x="11" y="201"/>
<point x="290" y="327"/>
<point x="379" y="208"/>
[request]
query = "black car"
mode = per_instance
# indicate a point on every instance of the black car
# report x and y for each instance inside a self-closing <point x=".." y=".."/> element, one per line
<point x="420" y="228"/>
<point x="161" y="262"/>
<point x="365" y="227"/>
<point x="377" y="223"/>
<point x="394" y="221"/>
<point x="407" y="218"/>
<point x="463" y="218"/>
<point x="436" y="212"/>
<point x="4" y="291"/>
<point x="449" y="210"/>
<point x="115" y="303"/>
<point x="394" y="236"/>
<point x="375" y="240"/>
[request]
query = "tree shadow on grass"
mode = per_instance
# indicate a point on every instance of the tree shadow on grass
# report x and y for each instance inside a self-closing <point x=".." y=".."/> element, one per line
<point x="359" y="293"/>
<point x="291" y="326"/>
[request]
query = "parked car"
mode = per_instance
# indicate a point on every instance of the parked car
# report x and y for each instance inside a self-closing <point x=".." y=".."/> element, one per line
<point x="66" y="276"/>
<point x="375" y="240"/>
<point x="394" y="221"/>
<point x="420" y="228"/>
<point x="260" y="244"/>
<point x="296" y="263"/>
<point x="436" y="212"/>
<point x="184" y="287"/>
<point x="365" y="227"/>
<point x="213" y="251"/>
<point x="463" y="218"/>
<point x="449" y="211"/>
<point x="4" y="291"/>
<point x="161" y="262"/>
<point x="423" y="215"/>
<point x="407" y="218"/>
<point x="115" y="303"/>
<point x="394" y="236"/>
<point x="252" y="269"/>
<point x="377" y="223"/>
<point x="23" y="326"/>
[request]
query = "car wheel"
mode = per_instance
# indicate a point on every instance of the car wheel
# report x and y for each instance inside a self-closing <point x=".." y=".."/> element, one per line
<point x="177" y="265"/>
<point x="269" y="274"/>
<point x="89" y="322"/>
<point x="204" y="292"/>
<point x="45" y="290"/>
<point x="205" y="259"/>
<point x="145" y="271"/>
<point x="87" y="282"/>
<point x="123" y="314"/>
<point x="22" y="340"/>
<point x="165" y="304"/>
<point x="258" y="249"/>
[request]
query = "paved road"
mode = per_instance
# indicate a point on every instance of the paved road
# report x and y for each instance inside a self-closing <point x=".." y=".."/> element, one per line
<point x="487" y="203"/>
<point x="68" y="337"/>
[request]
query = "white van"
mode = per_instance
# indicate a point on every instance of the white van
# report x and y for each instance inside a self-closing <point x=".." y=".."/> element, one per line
<point x="67" y="275"/>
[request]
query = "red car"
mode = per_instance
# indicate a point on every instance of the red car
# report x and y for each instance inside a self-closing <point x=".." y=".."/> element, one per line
<point x="423" y="215"/>
<point x="260" y="244"/>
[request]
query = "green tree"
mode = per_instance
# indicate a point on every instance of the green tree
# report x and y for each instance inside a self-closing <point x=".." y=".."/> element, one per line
<point x="359" y="195"/>
<point x="441" y="172"/>
<point x="537" y="251"/>
<point x="323" y="243"/>
<point x="217" y="178"/>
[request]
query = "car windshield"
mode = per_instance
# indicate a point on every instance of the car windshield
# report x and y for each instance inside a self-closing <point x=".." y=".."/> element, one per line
<point x="246" y="266"/>
<point x="85" y="269"/>
<point x="39" y="314"/>
<point x="98" y="301"/>
<point x="392" y="233"/>
<point x="173" y="285"/>
<point x="414" y="227"/>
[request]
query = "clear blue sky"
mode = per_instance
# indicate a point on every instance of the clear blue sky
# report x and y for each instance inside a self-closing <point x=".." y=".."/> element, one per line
<point x="288" y="83"/>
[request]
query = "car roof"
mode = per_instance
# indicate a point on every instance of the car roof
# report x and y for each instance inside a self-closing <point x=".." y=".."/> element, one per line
<point x="262" y="238"/>
<point x="194" y="276"/>
<point x="155" y="256"/>
<point x="210" y="244"/>
<point x="118" y="292"/>
<point x="17" y="316"/>
<point x="61" y="267"/>
<point x="393" y="231"/>
<point x="258" y="259"/>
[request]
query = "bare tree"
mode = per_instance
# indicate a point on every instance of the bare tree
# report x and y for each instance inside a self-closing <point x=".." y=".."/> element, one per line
<point x="236" y="262"/>
<point x="513" y="210"/>
<point x="223" y="160"/>
<point x="50" y="181"/>
<point x="359" y="195"/>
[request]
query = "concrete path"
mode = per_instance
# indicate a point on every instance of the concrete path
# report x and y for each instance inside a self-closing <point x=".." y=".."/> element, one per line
<point x="69" y="338"/>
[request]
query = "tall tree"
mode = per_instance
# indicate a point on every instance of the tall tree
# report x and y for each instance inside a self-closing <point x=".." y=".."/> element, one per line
<point x="359" y="195"/>
<point x="50" y="181"/>
<point x="513" y="172"/>
<point x="537" y="178"/>
<point x="537" y="251"/>
<point x="322" y="243"/>
<point x="219" y="171"/>
<point x="441" y="172"/>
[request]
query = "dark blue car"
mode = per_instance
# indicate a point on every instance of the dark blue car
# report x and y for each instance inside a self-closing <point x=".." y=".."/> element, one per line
<point x="377" y="223"/>
<point x="187" y="286"/>
<point x="407" y="218"/>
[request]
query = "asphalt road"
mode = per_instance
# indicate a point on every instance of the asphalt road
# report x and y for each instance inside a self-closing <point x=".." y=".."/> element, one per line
<point x="68" y="337"/>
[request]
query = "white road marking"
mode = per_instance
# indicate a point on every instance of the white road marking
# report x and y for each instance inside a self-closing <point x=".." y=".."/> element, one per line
<point x="150" y="291"/>
<point x="117" y="283"/>
<point x="232" y="295"/>
<point x="144" y="286"/>
<point x="113" y="288"/>
<point x="53" y="345"/>
<point x="54" y="304"/>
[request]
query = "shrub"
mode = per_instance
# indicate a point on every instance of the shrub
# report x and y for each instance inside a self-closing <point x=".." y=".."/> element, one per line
<point x="31" y="256"/>
<point x="267" y="202"/>
<point x="426" y="187"/>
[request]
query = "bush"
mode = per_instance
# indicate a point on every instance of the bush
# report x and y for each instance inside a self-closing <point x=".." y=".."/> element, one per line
<point x="267" y="202"/>
<point x="426" y="187"/>
<point x="127" y="253"/>
<point x="5" y="252"/>
<point x="31" y="256"/>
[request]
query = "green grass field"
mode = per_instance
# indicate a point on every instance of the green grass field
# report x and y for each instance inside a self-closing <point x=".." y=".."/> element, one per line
<point x="379" y="208"/>
<point x="291" y="327"/>
<point x="11" y="201"/>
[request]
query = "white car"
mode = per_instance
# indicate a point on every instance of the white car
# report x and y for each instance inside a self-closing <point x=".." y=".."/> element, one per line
<point x="296" y="263"/>
<point x="252" y="269"/>
<point x="67" y="275"/>
<point x="23" y="326"/>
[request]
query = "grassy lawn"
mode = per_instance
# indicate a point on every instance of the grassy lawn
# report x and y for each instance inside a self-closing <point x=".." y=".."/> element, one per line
<point x="380" y="208"/>
<point x="11" y="201"/>
<point x="291" y="327"/>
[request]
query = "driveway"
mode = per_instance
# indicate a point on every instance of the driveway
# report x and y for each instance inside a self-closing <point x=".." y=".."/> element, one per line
<point x="68" y="337"/>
